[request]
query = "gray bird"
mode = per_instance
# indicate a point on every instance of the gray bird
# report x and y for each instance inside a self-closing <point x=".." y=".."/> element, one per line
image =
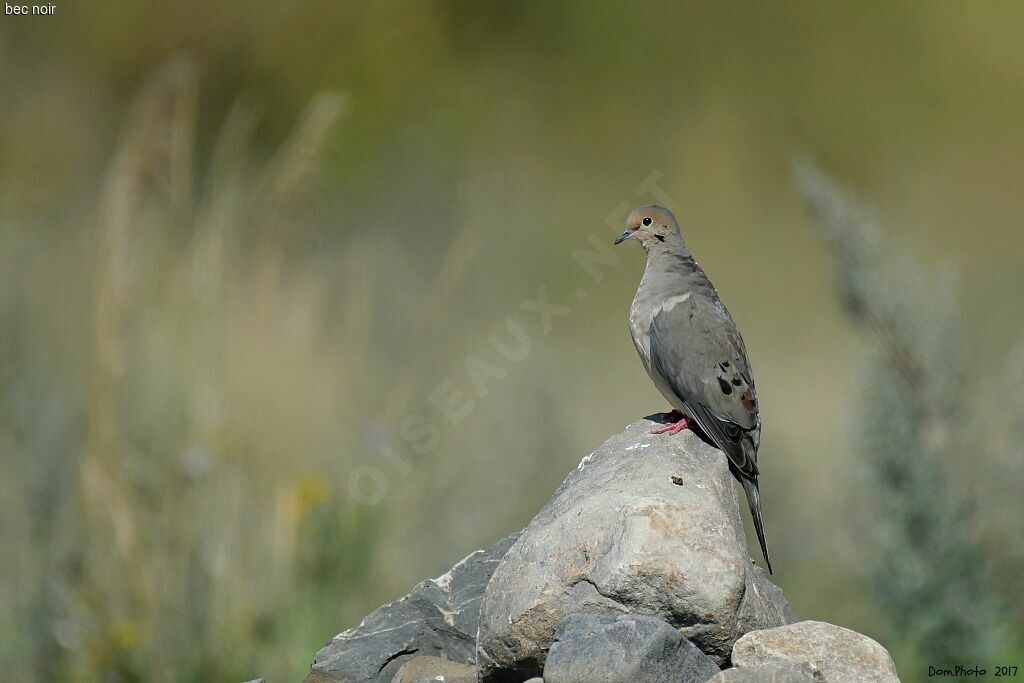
<point x="692" y="350"/>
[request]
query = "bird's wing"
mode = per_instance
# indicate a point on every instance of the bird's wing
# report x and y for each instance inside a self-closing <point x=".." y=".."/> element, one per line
<point x="697" y="349"/>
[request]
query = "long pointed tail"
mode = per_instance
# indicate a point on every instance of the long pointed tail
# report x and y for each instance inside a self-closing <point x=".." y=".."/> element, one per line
<point x="754" y="501"/>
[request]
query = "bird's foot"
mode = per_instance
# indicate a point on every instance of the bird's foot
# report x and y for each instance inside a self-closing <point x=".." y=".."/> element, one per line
<point x="674" y="426"/>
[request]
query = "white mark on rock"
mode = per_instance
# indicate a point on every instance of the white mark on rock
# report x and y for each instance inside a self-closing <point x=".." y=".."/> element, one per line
<point x="584" y="461"/>
<point x="638" y="445"/>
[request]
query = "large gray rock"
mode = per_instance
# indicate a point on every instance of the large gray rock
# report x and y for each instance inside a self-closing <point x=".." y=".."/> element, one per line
<point x="439" y="618"/>
<point x="600" y="648"/>
<point x="837" y="653"/>
<point x="775" y="673"/>
<point x="646" y="524"/>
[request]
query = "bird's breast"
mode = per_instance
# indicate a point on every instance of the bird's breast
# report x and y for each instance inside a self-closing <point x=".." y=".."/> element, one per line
<point x="640" y="331"/>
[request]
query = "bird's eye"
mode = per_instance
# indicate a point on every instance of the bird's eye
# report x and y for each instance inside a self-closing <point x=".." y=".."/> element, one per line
<point x="647" y="220"/>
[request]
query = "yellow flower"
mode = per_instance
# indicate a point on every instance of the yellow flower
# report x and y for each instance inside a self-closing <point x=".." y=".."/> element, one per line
<point x="306" y="493"/>
<point x="125" y="634"/>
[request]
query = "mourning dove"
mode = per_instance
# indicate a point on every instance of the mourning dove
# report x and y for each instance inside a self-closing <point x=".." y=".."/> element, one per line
<point x="692" y="350"/>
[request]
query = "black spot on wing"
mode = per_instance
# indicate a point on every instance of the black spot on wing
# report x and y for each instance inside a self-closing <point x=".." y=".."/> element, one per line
<point x="726" y="389"/>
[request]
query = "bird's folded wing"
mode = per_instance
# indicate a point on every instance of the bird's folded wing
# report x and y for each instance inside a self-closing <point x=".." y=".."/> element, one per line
<point x="695" y="347"/>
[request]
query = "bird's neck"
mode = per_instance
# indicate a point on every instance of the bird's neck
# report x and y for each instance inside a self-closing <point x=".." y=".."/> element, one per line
<point x="673" y="263"/>
<point x="671" y="248"/>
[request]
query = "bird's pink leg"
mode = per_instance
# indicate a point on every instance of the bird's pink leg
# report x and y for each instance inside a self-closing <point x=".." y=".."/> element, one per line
<point x="677" y="423"/>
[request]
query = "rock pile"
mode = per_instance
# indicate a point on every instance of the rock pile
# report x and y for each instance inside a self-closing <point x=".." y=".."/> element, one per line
<point x="636" y="570"/>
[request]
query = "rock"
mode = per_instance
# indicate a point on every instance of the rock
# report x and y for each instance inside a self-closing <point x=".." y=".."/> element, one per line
<point x="601" y="648"/>
<point x="778" y="673"/>
<point x="426" y="669"/>
<point x="839" y="654"/>
<point x="439" y="619"/>
<point x="646" y="524"/>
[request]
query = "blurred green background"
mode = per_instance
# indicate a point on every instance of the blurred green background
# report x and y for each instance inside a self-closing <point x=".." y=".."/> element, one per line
<point x="242" y="245"/>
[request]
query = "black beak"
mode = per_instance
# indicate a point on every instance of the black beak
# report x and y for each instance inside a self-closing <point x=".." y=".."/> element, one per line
<point x="624" y="236"/>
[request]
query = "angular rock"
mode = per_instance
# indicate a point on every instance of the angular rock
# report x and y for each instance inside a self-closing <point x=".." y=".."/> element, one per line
<point x="646" y="524"/>
<point x="439" y="618"/>
<point x="601" y="648"/>
<point x="426" y="669"/>
<point x="838" y="653"/>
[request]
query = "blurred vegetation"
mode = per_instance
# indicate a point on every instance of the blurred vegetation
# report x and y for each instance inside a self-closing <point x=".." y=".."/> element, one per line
<point x="933" y="540"/>
<point x="150" y="544"/>
<point x="240" y="248"/>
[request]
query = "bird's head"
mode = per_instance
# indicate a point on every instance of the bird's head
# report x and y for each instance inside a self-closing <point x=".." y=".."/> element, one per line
<point x="650" y="225"/>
